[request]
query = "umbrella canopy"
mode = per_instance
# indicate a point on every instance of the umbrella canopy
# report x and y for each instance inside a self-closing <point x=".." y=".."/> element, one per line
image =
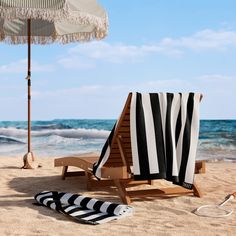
<point x="52" y="21"/>
<point x="49" y="21"/>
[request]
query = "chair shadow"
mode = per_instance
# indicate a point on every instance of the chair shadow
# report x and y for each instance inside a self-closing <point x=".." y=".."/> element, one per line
<point x="28" y="187"/>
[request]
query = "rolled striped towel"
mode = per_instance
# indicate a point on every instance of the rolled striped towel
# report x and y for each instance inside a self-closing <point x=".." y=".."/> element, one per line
<point x="84" y="209"/>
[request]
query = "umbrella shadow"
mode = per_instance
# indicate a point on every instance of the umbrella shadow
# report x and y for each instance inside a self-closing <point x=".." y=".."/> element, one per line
<point x="10" y="168"/>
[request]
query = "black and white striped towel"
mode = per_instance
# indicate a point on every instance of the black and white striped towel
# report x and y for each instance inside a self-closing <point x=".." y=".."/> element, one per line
<point x="84" y="209"/>
<point x="164" y="134"/>
<point x="97" y="167"/>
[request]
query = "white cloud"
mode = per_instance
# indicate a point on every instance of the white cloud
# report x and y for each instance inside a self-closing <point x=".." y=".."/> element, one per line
<point x="21" y="66"/>
<point x="84" y="56"/>
<point x="203" y="40"/>
<point x="116" y="53"/>
<point x="216" y="78"/>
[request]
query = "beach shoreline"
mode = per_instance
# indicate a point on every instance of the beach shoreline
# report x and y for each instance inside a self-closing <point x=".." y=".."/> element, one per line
<point x="165" y="216"/>
<point x="78" y="136"/>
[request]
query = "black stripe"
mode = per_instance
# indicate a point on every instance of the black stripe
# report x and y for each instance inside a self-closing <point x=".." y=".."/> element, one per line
<point x="60" y="195"/>
<point x="175" y="180"/>
<point x="97" y="205"/>
<point x="56" y="198"/>
<point x="44" y="198"/>
<point x="84" y="202"/>
<point x="141" y="139"/>
<point x="72" y="199"/>
<point x="80" y="217"/>
<point x="104" y="149"/>
<point x="156" y="111"/>
<point x="86" y="215"/>
<point x="149" y="176"/>
<point x="186" y="138"/>
<point x="59" y="207"/>
<point x="178" y="124"/>
<point x="76" y="209"/>
<point x="99" y="218"/>
<point x="169" y="149"/>
<point x="49" y="203"/>
<point x="87" y="222"/>
<point x="110" y="210"/>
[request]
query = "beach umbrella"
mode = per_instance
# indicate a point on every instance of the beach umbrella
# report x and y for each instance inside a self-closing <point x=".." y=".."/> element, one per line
<point x="48" y="21"/>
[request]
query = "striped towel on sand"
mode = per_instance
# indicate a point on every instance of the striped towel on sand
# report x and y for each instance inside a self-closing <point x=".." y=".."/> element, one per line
<point x="164" y="134"/>
<point x="84" y="209"/>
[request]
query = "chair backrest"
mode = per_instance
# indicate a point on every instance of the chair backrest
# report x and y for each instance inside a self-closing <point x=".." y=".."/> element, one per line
<point x="119" y="149"/>
<point x="122" y="131"/>
<point x="121" y="137"/>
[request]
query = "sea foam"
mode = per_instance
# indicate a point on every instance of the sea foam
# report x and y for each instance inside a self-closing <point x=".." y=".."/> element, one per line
<point x="79" y="133"/>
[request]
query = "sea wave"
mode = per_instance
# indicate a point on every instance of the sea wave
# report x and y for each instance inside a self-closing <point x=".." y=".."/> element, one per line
<point x="50" y="127"/>
<point x="7" y="140"/>
<point x="217" y="144"/>
<point x="216" y="155"/>
<point x="80" y="133"/>
<point x="61" y="124"/>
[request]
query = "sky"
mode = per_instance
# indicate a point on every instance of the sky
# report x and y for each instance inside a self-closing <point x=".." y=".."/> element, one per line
<point x="152" y="46"/>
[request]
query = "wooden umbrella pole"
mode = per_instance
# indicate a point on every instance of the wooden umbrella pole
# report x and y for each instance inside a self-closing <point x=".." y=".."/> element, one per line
<point x="29" y="84"/>
<point x="29" y="157"/>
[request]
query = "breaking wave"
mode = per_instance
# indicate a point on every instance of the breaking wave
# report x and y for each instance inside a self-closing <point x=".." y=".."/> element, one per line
<point x="79" y="133"/>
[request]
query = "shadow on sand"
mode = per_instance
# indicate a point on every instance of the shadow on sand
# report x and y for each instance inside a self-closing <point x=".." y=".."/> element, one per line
<point x="27" y="187"/>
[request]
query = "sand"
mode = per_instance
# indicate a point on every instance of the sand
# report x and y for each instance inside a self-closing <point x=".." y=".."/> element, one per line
<point x="161" y="216"/>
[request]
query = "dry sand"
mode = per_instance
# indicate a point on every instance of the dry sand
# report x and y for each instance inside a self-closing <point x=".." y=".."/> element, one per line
<point x="161" y="216"/>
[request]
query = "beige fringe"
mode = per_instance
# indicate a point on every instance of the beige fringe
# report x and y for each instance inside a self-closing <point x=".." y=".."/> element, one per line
<point x="64" y="39"/>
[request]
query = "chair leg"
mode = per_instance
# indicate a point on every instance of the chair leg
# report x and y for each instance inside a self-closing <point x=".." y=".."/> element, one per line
<point x="89" y="180"/>
<point x="196" y="190"/>
<point x="151" y="182"/>
<point x="203" y="167"/>
<point x="64" y="172"/>
<point x="122" y="191"/>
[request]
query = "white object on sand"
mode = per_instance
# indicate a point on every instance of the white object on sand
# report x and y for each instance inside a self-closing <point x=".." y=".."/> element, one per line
<point x="216" y="211"/>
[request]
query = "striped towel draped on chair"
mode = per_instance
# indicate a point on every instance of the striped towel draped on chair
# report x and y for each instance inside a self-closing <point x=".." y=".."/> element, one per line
<point x="164" y="135"/>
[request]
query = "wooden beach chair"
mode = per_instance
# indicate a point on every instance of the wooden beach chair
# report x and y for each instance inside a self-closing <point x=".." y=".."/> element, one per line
<point x="118" y="168"/>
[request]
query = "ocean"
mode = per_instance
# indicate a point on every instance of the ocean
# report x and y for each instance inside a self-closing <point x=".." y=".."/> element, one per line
<point x="60" y="137"/>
